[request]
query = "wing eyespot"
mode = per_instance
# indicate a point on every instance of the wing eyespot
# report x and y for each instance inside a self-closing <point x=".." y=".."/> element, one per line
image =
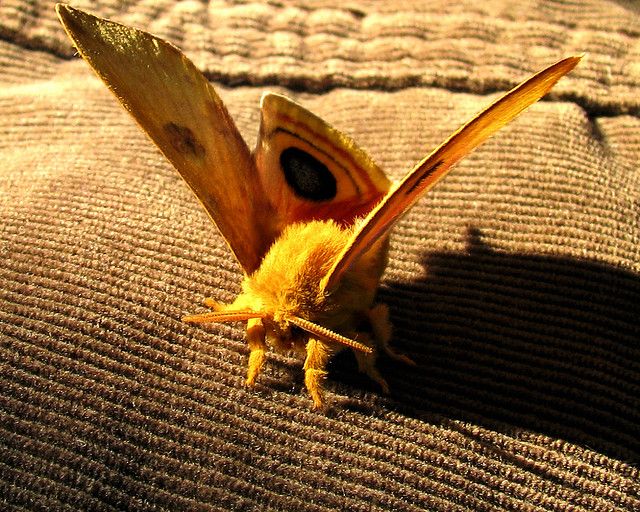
<point x="307" y="176"/>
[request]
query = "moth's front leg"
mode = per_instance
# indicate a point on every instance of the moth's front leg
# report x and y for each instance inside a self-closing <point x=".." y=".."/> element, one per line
<point x="318" y="355"/>
<point x="257" y="346"/>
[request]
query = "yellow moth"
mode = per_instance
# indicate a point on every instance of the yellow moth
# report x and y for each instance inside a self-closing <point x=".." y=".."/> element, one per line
<point x="307" y="213"/>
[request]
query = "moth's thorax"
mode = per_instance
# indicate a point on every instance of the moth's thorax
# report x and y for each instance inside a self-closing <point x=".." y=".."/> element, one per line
<point x="288" y="281"/>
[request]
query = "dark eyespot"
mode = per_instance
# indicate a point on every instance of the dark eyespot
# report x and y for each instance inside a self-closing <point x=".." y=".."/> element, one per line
<point x="307" y="176"/>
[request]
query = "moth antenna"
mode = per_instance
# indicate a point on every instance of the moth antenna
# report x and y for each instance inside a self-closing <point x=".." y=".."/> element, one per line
<point x="328" y="334"/>
<point x="222" y="316"/>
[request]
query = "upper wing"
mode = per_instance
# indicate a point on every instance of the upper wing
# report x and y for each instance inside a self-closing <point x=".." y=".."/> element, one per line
<point x="310" y="169"/>
<point x="181" y="112"/>
<point x="434" y="167"/>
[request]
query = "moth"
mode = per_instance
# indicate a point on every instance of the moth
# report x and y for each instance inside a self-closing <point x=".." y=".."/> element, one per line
<point x="307" y="214"/>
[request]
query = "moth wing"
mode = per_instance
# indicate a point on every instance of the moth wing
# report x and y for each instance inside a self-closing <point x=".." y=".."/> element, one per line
<point x="311" y="170"/>
<point x="435" y="166"/>
<point x="181" y="112"/>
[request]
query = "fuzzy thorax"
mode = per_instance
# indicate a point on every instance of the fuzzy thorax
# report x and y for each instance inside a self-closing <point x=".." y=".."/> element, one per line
<point x="288" y="283"/>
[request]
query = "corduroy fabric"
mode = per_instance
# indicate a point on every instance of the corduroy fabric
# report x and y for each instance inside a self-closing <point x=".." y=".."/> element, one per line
<point x="515" y="285"/>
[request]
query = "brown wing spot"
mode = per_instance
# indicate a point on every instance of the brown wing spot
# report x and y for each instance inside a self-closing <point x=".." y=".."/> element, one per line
<point x="183" y="140"/>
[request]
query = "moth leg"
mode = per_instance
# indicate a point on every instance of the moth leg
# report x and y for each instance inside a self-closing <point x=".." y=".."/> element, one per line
<point x="257" y="347"/>
<point x="367" y="365"/>
<point x="318" y="355"/>
<point x="211" y="303"/>
<point x="381" y="326"/>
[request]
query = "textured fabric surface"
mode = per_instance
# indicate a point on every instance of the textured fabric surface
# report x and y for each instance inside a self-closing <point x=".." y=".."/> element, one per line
<point x="515" y="285"/>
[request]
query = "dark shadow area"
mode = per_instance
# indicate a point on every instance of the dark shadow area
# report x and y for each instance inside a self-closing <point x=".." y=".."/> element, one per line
<point x="515" y="341"/>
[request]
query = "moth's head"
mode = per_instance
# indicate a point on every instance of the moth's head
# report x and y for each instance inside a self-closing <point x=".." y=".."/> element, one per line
<point x="281" y="325"/>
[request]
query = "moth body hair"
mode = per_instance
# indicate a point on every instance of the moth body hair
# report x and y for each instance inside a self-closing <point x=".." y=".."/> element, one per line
<point x="288" y="285"/>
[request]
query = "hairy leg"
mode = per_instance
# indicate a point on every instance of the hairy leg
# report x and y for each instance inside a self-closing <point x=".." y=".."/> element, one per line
<point x="381" y="326"/>
<point x="257" y="347"/>
<point x="367" y="365"/>
<point x="318" y="355"/>
<point x="211" y="303"/>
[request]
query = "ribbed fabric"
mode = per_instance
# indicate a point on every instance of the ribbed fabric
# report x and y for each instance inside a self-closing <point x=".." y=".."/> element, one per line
<point x="316" y="46"/>
<point x="515" y="285"/>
